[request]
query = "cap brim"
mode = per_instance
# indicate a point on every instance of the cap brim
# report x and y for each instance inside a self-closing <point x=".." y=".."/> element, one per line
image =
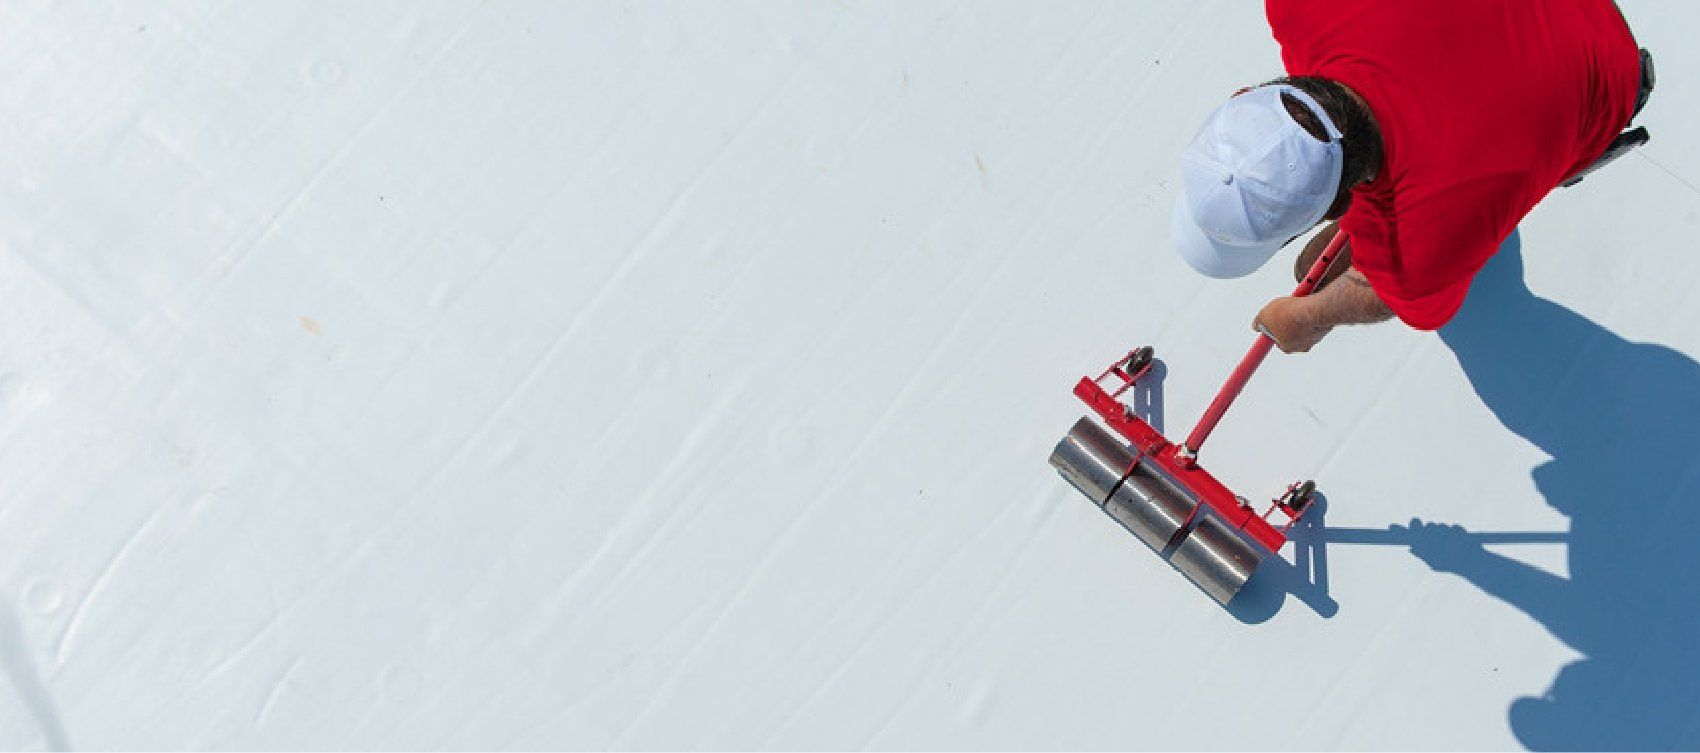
<point x="1210" y="258"/>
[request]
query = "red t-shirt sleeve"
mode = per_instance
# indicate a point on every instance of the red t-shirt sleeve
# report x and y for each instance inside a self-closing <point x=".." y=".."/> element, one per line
<point x="1420" y="248"/>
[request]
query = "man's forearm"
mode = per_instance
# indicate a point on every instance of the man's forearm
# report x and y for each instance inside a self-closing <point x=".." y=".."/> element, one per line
<point x="1298" y="323"/>
<point x="1347" y="300"/>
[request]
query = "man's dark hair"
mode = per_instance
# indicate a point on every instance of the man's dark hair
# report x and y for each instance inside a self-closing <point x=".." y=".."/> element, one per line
<point x="1361" y="142"/>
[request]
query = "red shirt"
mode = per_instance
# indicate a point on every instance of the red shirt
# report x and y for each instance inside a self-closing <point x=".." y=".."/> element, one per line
<point x="1484" y="107"/>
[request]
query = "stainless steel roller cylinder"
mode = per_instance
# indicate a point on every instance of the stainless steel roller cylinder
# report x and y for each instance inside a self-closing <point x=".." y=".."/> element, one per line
<point x="1153" y="507"/>
<point x="1150" y="506"/>
<point x="1216" y="558"/>
<point x="1092" y="459"/>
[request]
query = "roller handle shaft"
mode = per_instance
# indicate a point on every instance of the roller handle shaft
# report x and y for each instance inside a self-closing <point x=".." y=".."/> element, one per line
<point x="1253" y="358"/>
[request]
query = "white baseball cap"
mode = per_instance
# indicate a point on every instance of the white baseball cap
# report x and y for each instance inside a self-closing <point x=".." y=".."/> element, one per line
<point x="1251" y="180"/>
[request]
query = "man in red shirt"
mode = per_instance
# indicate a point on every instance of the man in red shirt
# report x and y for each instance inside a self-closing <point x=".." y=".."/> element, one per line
<point x="1438" y="125"/>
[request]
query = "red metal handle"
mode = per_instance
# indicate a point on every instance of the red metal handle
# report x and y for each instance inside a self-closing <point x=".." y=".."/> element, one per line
<point x="1254" y="357"/>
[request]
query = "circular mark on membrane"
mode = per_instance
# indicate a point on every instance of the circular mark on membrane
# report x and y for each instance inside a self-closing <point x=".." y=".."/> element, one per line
<point x="325" y="72"/>
<point x="44" y="596"/>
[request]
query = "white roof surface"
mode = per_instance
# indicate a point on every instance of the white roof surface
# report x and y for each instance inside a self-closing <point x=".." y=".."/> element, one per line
<point x="423" y="374"/>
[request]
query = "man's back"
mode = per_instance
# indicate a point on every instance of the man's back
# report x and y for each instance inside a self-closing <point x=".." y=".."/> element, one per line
<point x="1483" y="105"/>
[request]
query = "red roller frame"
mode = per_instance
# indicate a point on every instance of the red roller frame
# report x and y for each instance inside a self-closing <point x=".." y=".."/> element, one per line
<point x="1181" y="461"/>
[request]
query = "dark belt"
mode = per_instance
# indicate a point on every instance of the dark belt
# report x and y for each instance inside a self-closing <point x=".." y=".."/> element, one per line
<point x="1647" y="80"/>
<point x="1631" y="138"/>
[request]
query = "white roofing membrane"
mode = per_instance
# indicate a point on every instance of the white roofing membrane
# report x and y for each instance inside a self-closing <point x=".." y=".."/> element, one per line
<point x="449" y="374"/>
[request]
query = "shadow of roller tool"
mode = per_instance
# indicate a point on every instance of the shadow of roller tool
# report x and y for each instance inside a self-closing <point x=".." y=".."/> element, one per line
<point x="1156" y="489"/>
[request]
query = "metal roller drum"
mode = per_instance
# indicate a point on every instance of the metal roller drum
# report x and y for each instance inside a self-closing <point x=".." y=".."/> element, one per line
<point x="1151" y="506"/>
<point x="1154" y="508"/>
<point x="1215" y="558"/>
<point x="1092" y="459"/>
<point x="1147" y="503"/>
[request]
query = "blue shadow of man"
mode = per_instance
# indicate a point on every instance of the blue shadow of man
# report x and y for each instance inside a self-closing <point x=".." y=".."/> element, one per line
<point x="1621" y="422"/>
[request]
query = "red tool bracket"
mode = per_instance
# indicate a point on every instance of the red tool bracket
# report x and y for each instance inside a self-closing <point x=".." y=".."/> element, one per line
<point x="1180" y="462"/>
<point x="1184" y="470"/>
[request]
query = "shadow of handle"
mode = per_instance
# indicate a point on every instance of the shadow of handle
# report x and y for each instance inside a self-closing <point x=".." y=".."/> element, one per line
<point x="1402" y="536"/>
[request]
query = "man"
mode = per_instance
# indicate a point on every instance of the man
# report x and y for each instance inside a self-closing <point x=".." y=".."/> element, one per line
<point x="1426" y="129"/>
